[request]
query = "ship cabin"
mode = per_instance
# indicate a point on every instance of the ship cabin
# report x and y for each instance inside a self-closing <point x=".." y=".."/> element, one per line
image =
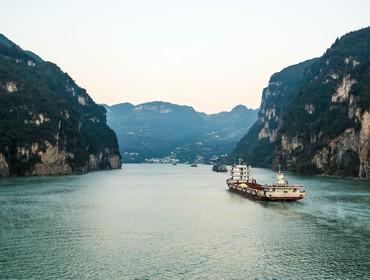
<point x="241" y="174"/>
<point x="282" y="185"/>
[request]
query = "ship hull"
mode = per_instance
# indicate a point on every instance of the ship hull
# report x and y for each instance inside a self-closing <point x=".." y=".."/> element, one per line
<point x="242" y="183"/>
<point x="254" y="196"/>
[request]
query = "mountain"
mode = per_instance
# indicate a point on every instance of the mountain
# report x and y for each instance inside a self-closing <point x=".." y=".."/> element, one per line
<point x="323" y="124"/>
<point x="48" y="124"/>
<point x="259" y="144"/>
<point x="161" y="129"/>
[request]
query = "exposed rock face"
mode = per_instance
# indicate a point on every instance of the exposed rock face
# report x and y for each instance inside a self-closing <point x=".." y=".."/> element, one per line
<point x="114" y="161"/>
<point x="4" y="167"/>
<point x="269" y="117"/>
<point x="364" y="145"/>
<point x="107" y="161"/>
<point x="320" y="159"/>
<point x="310" y="108"/>
<point x="11" y="87"/>
<point x="336" y="135"/>
<point x="82" y="100"/>
<point x="53" y="162"/>
<point x="324" y="124"/>
<point x="257" y="146"/>
<point x="94" y="160"/>
<point x="343" y="90"/>
<point x="31" y="63"/>
<point x="339" y="152"/>
<point x="291" y="144"/>
<point x="352" y="60"/>
<point x="49" y="125"/>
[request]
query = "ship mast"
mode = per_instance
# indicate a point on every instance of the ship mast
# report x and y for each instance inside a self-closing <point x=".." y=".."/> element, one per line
<point x="280" y="178"/>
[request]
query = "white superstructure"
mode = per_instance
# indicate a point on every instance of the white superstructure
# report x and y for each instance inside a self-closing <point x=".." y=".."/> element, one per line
<point x="242" y="182"/>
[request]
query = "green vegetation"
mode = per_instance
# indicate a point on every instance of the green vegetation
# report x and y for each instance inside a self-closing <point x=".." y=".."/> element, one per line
<point x="301" y="95"/>
<point x="161" y="129"/>
<point x="45" y="107"/>
<point x="280" y="93"/>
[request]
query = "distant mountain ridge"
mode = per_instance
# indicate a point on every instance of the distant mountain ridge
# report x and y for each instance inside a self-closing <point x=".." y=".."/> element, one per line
<point x="48" y="124"/>
<point x="161" y="129"/>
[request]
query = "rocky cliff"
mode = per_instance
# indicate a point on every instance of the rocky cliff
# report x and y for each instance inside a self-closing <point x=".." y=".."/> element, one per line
<point x="259" y="144"/>
<point x="323" y="126"/>
<point x="48" y="124"/>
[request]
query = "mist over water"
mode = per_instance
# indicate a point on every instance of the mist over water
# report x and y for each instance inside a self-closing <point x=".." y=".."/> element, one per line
<point x="177" y="222"/>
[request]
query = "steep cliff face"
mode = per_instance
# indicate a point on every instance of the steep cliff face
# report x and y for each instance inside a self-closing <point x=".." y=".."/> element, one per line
<point x="48" y="124"/>
<point x="334" y="133"/>
<point x="324" y="126"/>
<point x="259" y="144"/>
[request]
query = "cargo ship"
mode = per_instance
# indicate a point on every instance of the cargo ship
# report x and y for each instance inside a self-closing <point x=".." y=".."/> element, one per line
<point x="241" y="182"/>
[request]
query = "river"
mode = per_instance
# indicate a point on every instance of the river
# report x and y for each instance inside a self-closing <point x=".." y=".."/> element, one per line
<point x="177" y="222"/>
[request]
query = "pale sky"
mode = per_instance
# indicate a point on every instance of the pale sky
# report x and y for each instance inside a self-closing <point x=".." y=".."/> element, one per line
<point x="209" y="54"/>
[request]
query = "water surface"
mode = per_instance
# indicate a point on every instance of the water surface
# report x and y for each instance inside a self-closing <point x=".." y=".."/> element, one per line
<point x="177" y="222"/>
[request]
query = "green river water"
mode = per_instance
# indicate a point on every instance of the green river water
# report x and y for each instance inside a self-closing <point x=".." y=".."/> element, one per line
<point x="176" y="222"/>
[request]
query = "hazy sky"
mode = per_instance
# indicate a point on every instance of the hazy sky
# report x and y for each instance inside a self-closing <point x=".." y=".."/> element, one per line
<point x="209" y="54"/>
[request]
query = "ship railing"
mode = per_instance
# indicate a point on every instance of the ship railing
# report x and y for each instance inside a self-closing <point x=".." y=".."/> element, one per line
<point x="286" y="186"/>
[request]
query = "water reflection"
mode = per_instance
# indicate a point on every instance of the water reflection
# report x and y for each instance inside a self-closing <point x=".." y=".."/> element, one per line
<point x="176" y="222"/>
